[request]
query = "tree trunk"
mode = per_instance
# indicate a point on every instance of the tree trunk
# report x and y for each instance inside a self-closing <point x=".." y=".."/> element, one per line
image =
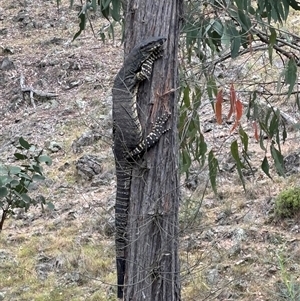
<point x="152" y="270"/>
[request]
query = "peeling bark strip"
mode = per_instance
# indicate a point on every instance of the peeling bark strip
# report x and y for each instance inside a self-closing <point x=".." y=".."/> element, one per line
<point x="152" y="263"/>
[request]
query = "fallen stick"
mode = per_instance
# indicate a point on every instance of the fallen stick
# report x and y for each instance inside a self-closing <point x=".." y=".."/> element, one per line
<point x="32" y="91"/>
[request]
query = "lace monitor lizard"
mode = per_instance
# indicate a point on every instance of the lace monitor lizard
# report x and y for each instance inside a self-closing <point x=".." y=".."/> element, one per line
<point x="128" y="137"/>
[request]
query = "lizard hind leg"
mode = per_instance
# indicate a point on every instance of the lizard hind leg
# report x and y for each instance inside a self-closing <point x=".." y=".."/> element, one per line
<point x="153" y="137"/>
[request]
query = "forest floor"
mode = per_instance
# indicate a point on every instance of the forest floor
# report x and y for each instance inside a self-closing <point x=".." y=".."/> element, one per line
<point x="231" y="248"/>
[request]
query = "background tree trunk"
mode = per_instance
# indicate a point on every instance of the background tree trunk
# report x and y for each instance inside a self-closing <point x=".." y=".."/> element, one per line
<point x="152" y="271"/>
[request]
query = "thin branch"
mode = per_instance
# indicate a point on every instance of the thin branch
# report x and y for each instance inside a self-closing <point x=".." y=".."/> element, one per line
<point x="284" y="42"/>
<point x="278" y="48"/>
<point x="289" y="119"/>
<point x="265" y="39"/>
<point x="242" y="52"/>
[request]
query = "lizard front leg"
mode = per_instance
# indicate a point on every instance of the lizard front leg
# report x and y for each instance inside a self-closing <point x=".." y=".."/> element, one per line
<point x="153" y="137"/>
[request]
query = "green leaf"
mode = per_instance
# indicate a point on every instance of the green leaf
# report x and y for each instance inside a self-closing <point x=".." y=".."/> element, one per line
<point x="38" y="178"/>
<point x="105" y="9"/>
<point x="20" y="189"/>
<point x="24" y="176"/>
<point x="261" y="141"/>
<point x="26" y="198"/>
<point x="186" y="97"/>
<point x="274" y="124"/>
<point x="265" y="167"/>
<point x="278" y="160"/>
<point x="24" y="143"/>
<point x="239" y="165"/>
<point x="212" y="90"/>
<point x="284" y="133"/>
<point x="105" y="3"/>
<point x="286" y="5"/>
<point x="251" y="10"/>
<point x="294" y="4"/>
<point x="50" y="206"/>
<point x="14" y="170"/>
<point x="280" y="11"/>
<point x="272" y="41"/>
<point x="246" y="39"/>
<point x="274" y="15"/>
<point x="94" y="5"/>
<point x="37" y="168"/>
<point x="264" y="128"/>
<point x="202" y="149"/>
<point x="235" y="46"/>
<point x="5" y="179"/>
<point x="82" y="17"/>
<point x="14" y="183"/>
<point x="235" y="153"/>
<point x="115" y="12"/>
<point x="290" y="75"/>
<point x="3" y="192"/>
<point x="244" y="20"/>
<point x="16" y="194"/>
<point x="20" y="156"/>
<point x="186" y="160"/>
<point x="235" y="38"/>
<point x="225" y="39"/>
<point x="3" y="170"/>
<point x="41" y="199"/>
<point x="45" y="159"/>
<point x="251" y="105"/>
<point x="218" y="27"/>
<point x="240" y="4"/>
<point x="213" y="166"/>
<point x="197" y="95"/>
<point x="244" y="138"/>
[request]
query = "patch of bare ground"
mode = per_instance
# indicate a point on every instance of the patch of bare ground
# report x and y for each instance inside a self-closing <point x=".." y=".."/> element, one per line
<point x="65" y="254"/>
<point x="231" y="248"/>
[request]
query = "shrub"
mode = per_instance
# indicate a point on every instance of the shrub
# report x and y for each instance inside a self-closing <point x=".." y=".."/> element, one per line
<point x="287" y="203"/>
<point x="16" y="179"/>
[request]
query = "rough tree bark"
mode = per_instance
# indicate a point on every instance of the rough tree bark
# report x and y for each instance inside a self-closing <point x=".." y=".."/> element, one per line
<point x="152" y="271"/>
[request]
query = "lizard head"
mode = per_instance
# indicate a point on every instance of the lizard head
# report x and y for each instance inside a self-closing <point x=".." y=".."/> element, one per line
<point x="150" y="48"/>
<point x="138" y="64"/>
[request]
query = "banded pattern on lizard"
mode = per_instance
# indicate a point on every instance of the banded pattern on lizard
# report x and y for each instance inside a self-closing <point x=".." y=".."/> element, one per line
<point x="128" y="136"/>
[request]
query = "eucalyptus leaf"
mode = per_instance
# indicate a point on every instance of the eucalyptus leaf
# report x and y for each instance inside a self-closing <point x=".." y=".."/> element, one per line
<point x="20" y="156"/>
<point x="14" y="170"/>
<point x="3" y="192"/>
<point x="24" y="143"/>
<point x="26" y="198"/>
<point x="45" y="159"/>
<point x="239" y="164"/>
<point x="265" y="167"/>
<point x="38" y="178"/>
<point x="213" y="166"/>
<point x="278" y="160"/>
<point x="50" y="206"/>
<point x="82" y="23"/>
<point x="291" y="75"/>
